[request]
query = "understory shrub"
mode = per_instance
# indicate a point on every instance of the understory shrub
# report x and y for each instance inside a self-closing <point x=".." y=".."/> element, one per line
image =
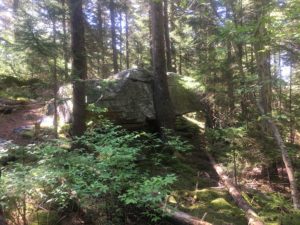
<point x="113" y="171"/>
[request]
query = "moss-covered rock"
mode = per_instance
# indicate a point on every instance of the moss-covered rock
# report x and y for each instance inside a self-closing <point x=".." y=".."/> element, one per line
<point x="128" y="95"/>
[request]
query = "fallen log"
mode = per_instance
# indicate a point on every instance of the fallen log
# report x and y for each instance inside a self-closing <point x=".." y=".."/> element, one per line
<point x="253" y="218"/>
<point x="184" y="218"/>
<point x="12" y="102"/>
<point x="7" y="109"/>
<point x="8" y="106"/>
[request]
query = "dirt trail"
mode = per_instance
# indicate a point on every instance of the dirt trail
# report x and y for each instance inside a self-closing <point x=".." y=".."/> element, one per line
<point x="9" y="123"/>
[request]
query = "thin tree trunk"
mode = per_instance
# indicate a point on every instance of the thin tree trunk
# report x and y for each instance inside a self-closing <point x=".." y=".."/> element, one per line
<point x="262" y="56"/>
<point x="163" y="106"/>
<point x="180" y="61"/>
<point x="127" y="36"/>
<point x="101" y="50"/>
<point x="121" y="41"/>
<point x="167" y="36"/>
<point x="55" y="82"/>
<point x="65" y="41"/>
<point x="172" y="28"/>
<point x="280" y="84"/>
<point x="292" y="120"/>
<point x="285" y="157"/>
<point x="113" y="35"/>
<point x="79" y="67"/>
<point x="15" y="6"/>
<point x="251" y="215"/>
<point x="229" y="78"/>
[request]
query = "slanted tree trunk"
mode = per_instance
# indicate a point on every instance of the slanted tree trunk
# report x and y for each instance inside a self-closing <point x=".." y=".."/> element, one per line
<point x="252" y="217"/>
<point x="79" y="67"/>
<point x="163" y="106"/>
<point x="285" y="157"/>
<point x="113" y="35"/>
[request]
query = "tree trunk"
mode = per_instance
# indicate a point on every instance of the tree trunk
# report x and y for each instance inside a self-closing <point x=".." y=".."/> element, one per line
<point x="127" y="36"/>
<point x="167" y="37"/>
<point x="229" y="79"/>
<point x="163" y="106"/>
<point x="79" y="67"/>
<point x="184" y="218"/>
<point x="292" y="119"/>
<point x="65" y="40"/>
<point x="172" y="28"/>
<point x="113" y="35"/>
<point x="262" y="55"/>
<point x="55" y="82"/>
<point x="285" y="157"/>
<point x="121" y="41"/>
<point x="101" y="51"/>
<point x="252" y="217"/>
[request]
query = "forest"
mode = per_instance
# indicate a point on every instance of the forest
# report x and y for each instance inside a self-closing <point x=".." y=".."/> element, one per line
<point x="149" y="112"/>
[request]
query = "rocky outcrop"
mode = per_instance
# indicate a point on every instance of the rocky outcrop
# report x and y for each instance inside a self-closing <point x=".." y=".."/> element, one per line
<point x="128" y="96"/>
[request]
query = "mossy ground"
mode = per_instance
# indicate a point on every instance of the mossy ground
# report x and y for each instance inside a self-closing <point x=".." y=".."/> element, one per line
<point x="215" y="204"/>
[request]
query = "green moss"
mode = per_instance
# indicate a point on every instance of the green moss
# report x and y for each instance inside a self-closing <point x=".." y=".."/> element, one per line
<point x="216" y="204"/>
<point x="28" y="134"/>
<point x="221" y="203"/>
<point x="291" y="219"/>
<point x="45" y="218"/>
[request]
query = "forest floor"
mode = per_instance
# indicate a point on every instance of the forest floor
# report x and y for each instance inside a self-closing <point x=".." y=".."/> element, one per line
<point x="12" y="124"/>
<point x="197" y="191"/>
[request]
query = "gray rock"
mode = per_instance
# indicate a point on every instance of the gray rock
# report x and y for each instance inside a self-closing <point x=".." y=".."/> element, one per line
<point x="4" y="145"/>
<point x="128" y="96"/>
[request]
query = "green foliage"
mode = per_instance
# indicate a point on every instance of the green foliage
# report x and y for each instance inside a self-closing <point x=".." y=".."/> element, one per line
<point x="109" y="171"/>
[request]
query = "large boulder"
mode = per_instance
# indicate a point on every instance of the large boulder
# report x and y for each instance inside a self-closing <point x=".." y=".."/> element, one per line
<point x="128" y="96"/>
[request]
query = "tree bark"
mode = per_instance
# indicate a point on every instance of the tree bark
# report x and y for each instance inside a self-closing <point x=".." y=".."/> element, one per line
<point x="262" y="55"/>
<point x="292" y="119"/>
<point x="163" y="106"/>
<point x="252" y="217"/>
<point x="121" y="41"/>
<point x="285" y="157"/>
<point x="79" y="67"/>
<point x="184" y="218"/>
<point x="127" y="35"/>
<point x="65" y="40"/>
<point x="55" y="82"/>
<point x="113" y="35"/>
<point x="167" y="37"/>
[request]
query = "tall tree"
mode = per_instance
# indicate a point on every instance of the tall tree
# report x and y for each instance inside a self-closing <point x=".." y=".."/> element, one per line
<point x="112" y="9"/>
<point x="164" y="109"/>
<point x="262" y="55"/>
<point x="127" y="34"/>
<point x="167" y="36"/>
<point x="79" y="67"/>
<point x="65" y="39"/>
